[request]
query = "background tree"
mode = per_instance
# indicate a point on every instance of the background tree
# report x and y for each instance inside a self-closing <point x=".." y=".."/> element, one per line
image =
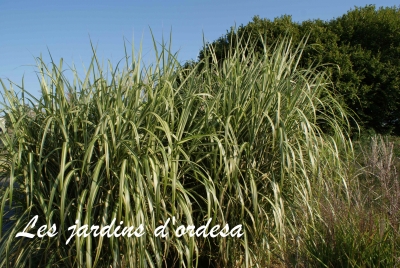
<point x="360" y="50"/>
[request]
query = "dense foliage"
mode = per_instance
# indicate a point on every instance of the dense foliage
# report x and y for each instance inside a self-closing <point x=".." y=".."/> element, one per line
<point x="237" y="142"/>
<point x="361" y="50"/>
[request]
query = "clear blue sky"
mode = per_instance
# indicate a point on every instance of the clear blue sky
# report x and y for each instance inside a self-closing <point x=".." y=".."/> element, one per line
<point x="29" y="27"/>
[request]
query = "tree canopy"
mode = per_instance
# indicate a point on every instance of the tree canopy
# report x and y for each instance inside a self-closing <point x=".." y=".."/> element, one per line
<point x="360" y="50"/>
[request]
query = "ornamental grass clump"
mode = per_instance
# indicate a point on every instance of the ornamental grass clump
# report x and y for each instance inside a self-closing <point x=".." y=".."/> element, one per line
<point x="361" y="229"/>
<point x="238" y="142"/>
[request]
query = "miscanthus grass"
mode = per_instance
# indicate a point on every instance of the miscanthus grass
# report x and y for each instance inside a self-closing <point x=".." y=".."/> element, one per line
<point x="238" y="141"/>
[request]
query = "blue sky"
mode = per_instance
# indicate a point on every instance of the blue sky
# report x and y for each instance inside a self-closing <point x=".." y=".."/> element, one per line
<point x="30" y="27"/>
